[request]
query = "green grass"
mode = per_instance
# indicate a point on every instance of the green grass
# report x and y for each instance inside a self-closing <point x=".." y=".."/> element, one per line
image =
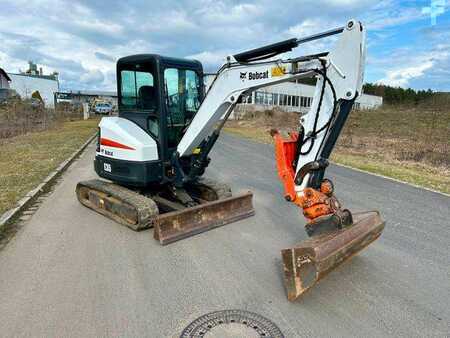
<point x="375" y="152"/>
<point x="26" y="160"/>
<point x="421" y="175"/>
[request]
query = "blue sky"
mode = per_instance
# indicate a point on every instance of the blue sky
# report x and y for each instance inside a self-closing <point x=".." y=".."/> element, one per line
<point x="82" y="39"/>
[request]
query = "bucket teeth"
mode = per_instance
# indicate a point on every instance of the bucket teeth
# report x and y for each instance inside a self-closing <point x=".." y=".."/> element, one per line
<point x="309" y="261"/>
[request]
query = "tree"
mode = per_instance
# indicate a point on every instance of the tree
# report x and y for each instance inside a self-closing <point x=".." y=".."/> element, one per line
<point x="398" y="95"/>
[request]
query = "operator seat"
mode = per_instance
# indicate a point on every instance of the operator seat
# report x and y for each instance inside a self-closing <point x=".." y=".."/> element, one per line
<point x="147" y="97"/>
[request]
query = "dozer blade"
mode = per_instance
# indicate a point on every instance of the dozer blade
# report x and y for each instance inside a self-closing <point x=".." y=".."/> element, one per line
<point x="177" y="225"/>
<point x="309" y="261"/>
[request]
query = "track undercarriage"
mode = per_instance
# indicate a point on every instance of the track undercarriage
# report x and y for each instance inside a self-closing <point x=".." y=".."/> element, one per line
<point x="174" y="213"/>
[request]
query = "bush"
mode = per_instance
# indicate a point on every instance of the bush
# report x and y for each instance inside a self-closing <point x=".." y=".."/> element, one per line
<point x="22" y="116"/>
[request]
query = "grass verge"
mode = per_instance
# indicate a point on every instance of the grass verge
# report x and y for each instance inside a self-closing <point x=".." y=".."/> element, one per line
<point x="421" y="175"/>
<point x="26" y="160"/>
<point x="437" y="178"/>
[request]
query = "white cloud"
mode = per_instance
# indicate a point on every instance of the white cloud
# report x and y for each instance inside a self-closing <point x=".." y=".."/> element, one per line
<point x="210" y="60"/>
<point x="310" y="26"/>
<point x="82" y="39"/>
<point x="219" y="13"/>
<point x="92" y="76"/>
<point x="388" y="17"/>
<point x="99" y="26"/>
<point x="400" y="77"/>
<point x="171" y="21"/>
<point x="403" y="73"/>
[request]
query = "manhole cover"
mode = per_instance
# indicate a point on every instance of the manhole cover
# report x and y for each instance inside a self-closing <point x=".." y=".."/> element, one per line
<point x="232" y="323"/>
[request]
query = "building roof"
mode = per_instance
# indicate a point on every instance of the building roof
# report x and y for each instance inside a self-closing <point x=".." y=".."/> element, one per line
<point x="90" y="93"/>
<point x="4" y="74"/>
<point x="41" y="77"/>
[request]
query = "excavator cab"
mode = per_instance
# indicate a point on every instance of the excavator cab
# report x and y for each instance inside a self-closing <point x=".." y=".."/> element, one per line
<point x="161" y="95"/>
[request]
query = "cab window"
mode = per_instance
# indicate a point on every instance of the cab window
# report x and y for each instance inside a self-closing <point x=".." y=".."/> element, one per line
<point x="138" y="92"/>
<point x="182" y="94"/>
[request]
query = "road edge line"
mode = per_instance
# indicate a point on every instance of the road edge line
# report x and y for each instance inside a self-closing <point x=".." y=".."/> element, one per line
<point x="33" y="194"/>
<point x="391" y="179"/>
<point x="356" y="169"/>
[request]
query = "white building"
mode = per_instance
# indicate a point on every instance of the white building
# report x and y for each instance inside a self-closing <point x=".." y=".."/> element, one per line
<point x="32" y="80"/>
<point x="4" y="79"/>
<point x="86" y="96"/>
<point x="367" y="101"/>
<point x="25" y="85"/>
<point x="5" y="90"/>
<point x="293" y="97"/>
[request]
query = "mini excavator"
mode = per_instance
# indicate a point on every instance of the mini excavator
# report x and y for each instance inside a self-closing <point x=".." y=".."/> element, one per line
<point x="154" y="153"/>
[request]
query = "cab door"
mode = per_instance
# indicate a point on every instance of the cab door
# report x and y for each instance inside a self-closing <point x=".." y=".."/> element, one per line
<point x="138" y="96"/>
<point x="183" y="94"/>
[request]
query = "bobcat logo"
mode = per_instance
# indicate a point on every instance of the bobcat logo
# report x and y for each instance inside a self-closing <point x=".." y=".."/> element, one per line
<point x="243" y="75"/>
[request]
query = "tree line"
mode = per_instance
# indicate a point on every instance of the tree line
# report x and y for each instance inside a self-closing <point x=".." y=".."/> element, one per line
<point x="398" y="95"/>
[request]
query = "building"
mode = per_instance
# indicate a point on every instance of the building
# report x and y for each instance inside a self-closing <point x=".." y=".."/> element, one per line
<point x="85" y="96"/>
<point x="5" y="91"/>
<point x="4" y="79"/>
<point x="26" y="83"/>
<point x="291" y="97"/>
<point x="367" y="101"/>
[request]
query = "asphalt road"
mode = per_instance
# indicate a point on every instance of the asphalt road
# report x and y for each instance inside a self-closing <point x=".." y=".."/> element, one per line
<point x="70" y="272"/>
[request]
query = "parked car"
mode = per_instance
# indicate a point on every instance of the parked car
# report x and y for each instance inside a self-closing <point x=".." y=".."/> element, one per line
<point x="103" y="108"/>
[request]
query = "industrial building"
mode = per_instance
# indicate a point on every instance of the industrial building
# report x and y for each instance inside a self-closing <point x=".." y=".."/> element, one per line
<point x="5" y="90"/>
<point x="291" y="97"/>
<point x="85" y="96"/>
<point x="4" y="79"/>
<point x="32" y="80"/>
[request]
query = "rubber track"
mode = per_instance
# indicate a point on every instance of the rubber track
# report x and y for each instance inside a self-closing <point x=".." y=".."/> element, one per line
<point x="222" y="190"/>
<point x="146" y="208"/>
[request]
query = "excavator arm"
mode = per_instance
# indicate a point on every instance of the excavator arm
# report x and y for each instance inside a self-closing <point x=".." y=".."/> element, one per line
<point x="302" y="158"/>
<point x="341" y="69"/>
<point x="339" y="74"/>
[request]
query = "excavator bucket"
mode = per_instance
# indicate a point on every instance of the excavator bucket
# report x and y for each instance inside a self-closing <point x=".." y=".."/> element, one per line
<point x="176" y="225"/>
<point x="309" y="261"/>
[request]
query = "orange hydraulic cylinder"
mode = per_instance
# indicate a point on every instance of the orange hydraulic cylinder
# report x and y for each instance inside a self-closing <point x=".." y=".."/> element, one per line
<point x="285" y="150"/>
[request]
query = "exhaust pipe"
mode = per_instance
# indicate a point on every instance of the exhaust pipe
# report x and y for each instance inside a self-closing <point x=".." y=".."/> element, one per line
<point x="309" y="261"/>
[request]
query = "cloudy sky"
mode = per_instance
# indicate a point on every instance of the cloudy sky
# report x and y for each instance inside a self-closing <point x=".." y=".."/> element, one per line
<point x="83" y="39"/>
